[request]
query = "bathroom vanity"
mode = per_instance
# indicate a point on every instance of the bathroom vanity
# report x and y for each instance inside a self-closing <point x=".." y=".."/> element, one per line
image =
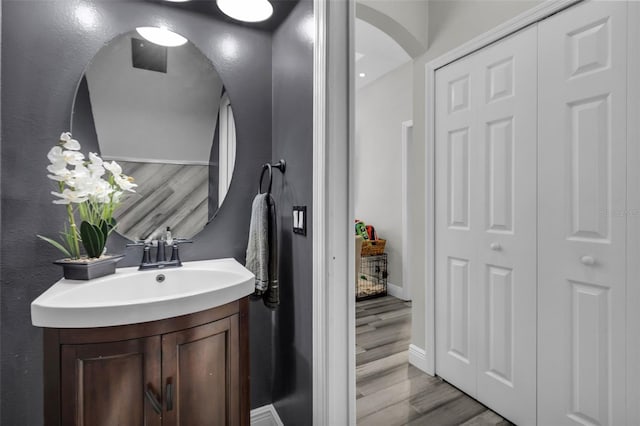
<point x="134" y="349"/>
<point x="189" y="370"/>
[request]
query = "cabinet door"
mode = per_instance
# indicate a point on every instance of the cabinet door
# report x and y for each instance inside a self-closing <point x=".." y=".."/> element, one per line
<point x="200" y="368"/>
<point x="104" y="384"/>
<point x="582" y="220"/>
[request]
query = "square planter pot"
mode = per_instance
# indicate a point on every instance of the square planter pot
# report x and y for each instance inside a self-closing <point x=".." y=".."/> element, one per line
<point x="76" y="270"/>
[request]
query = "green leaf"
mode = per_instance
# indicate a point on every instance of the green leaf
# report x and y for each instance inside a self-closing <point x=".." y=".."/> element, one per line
<point x="93" y="239"/>
<point x="56" y="244"/>
<point x="104" y="228"/>
<point x="112" y="223"/>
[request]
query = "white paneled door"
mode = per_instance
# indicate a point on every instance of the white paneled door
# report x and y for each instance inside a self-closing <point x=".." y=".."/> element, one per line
<point x="582" y="220"/>
<point x="486" y="107"/>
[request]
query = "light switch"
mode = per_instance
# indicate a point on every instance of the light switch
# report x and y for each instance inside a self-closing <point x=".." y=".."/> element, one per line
<point x="300" y="220"/>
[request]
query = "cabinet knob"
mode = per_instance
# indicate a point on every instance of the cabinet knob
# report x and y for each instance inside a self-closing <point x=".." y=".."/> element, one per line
<point x="587" y="260"/>
<point x="495" y="246"/>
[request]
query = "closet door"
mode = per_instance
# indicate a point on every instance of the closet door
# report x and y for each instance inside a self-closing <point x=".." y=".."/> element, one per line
<point x="633" y="218"/>
<point x="486" y="225"/>
<point x="456" y="224"/>
<point x="506" y="248"/>
<point x="582" y="225"/>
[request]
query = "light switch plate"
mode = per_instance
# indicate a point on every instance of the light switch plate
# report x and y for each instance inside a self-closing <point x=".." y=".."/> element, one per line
<point x="300" y="220"/>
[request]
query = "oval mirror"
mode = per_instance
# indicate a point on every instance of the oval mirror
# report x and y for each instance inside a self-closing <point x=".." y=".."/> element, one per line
<point x="163" y="114"/>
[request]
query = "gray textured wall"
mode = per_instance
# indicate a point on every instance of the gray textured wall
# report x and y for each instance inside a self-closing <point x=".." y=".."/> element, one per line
<point x="293" y="141"/>
<point x="45" y="47"/>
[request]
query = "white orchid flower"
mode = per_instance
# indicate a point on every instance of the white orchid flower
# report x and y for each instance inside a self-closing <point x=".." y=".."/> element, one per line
<point x="58" y="164"/>
<point x="68" y="142"/>
<point x="68" y="196"/>
<point x="99" y="190"/>
<point x="59" y="174"/>
<point x="79" y="175"/>
<point x="55" y="155"/>
<point x="73" y="157"/>
<point x="95" y="165"/>
<point x="95" y="159"/>
<point x="57" y="167"/>
<point x="58" y="156"/>
<point x="125" y="182"/>
<point x="96" y="170"/>
<point x="113" y="167"/>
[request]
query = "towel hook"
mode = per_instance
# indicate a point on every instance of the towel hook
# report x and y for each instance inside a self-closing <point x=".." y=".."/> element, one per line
<point x="280" y="165"/>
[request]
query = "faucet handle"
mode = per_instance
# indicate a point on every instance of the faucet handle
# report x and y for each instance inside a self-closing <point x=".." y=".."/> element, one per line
<point x="181" y="241"/>
<point x="146" y="252"/>
<point x="175" y="255"/>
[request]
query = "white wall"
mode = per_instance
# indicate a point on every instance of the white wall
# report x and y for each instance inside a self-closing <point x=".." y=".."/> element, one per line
<point x="145" y="115"/>
<point x="381" y="107"/>
<point x="412" y="14"/>
<point x="451" y="24"/>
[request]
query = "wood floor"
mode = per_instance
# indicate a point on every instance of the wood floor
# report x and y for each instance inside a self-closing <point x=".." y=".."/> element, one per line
<point x="389" y="391"/>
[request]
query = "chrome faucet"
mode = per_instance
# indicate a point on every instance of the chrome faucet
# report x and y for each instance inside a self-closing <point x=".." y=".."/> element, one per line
<point x="161" y="261"/>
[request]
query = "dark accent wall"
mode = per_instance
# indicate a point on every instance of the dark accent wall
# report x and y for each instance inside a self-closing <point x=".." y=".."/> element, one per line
<point x="45" y="47"/>
<point x="293" y="141"/>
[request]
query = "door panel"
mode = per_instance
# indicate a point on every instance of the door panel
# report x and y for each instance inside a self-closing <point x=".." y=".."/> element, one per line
<point x="458" y="190"/>
<point x="582" y="241"/>
<point x="486" y="225"/>
<point x="459" y="320"/>
<point x="499" y="322"/>
<point x="124" y="371"/>
<point x="499" y="192"/>
<point x="587" y="163"/>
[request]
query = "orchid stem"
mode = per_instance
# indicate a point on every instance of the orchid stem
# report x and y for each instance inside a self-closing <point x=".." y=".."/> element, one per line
<point x="74" y="231"/>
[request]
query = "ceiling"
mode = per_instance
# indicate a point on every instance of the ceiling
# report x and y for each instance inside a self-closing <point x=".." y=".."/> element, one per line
<point x="376" y="54"/>
<point x="281" y="9"/>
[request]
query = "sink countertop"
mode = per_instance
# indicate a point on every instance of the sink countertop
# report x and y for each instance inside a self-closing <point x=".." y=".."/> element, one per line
<point x="130" y="296"/>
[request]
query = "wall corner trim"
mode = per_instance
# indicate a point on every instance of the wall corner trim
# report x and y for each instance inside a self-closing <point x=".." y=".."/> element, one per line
<point x="395" y="291"/>
<point x="265" y="416"/>
<point x="417" y="358"/>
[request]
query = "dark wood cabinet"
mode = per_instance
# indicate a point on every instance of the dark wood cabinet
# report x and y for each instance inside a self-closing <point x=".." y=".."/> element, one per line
<point x="188" y="370"/>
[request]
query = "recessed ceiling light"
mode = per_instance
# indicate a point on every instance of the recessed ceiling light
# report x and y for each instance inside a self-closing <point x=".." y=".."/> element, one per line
<point x="177" y="1"/>
<point x="362" y="74"/>
<point x="161" y="36"/>
<point x="246" y="10"/>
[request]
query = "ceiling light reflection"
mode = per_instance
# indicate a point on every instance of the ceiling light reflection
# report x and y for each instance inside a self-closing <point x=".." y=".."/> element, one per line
<point x="246" y="10"/>
<point x="161" y="36"/>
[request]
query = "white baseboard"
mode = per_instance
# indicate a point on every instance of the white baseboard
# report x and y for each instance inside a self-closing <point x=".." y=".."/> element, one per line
<point x="265" y="416"/>
<point x="395" y="290"/>
<point x="418" y="358"/>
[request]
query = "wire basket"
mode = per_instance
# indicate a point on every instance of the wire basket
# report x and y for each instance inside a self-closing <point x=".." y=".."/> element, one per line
<point x="372" y="277"/>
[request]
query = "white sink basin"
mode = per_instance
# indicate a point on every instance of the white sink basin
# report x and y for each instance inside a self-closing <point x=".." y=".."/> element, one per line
<point x="131" y="296"/>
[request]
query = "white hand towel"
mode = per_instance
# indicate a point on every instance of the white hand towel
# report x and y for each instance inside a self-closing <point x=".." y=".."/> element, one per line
<point x="258" y="245"/>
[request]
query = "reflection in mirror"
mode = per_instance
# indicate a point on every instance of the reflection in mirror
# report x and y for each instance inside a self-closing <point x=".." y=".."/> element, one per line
<point x="164" y="115"/>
